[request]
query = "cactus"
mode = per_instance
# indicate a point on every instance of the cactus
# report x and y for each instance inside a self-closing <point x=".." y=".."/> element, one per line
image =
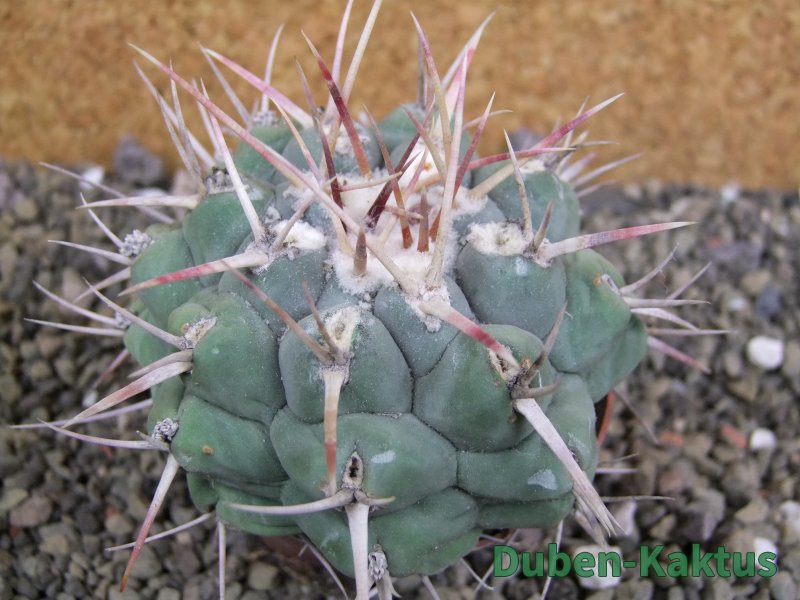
<point x="365" y="334"/>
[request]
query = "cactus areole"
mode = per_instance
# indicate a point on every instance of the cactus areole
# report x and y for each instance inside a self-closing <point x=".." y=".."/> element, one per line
<point x="363" y="333"/>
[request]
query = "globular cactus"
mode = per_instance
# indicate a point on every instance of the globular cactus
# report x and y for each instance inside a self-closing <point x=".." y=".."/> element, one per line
<point x="367" y="335"/>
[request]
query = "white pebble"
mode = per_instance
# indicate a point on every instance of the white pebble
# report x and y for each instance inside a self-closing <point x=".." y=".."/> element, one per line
<point x="89" y="399"/>
<point x="150" y="192"/>
<point x="761" y="545"/>
<point x="730" y="193"/>
<point x="737" y="304"/>
<point x="765" y="352"/>
<point x="625" y="514"/>
<point x="762" y="439"/>
<point x="595" y="581"/>
<point x="791" y="514"/>
<point x="92" y="175"/>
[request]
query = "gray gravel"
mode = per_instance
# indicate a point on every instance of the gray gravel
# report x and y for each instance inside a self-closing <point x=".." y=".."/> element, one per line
<point x="62" y="502"/>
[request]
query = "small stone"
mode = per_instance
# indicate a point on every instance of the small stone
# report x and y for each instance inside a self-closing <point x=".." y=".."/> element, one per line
<point x="40" y="370"/>
<point x="168" y="594"/>
<point x="732" y="363"/>
<point x="75" y="570"/>
<point x="746" y="389"/>
<point x="718" y="589"/>
<point x="730" y="192"/>
<point x="65" y="369"/>
<point x="755" y="511"/>
<point x="48" y="345"/>
<point x="625" y="514"/>
<point x="676" y="593"/>
<point x="741" y="482"/>
<point x="119" y="525"/>
<point x="635" y="589"/>
<point x="782" y="587"/>
<point x="72" y="285"/>
<point x="26" y="210"/>
<point x="148" y="565"/>
<point x="35" y="566"/>
<point x="10" y="498"/>
<point x="755" y="281"/>
<point x="791" y="360"/>
<point x="33" y="512"/>
<point x="790" y="510"/>
<point x="700" y="518"/>
<point x="55" y="545"/>
<point x="675" y="479"/>
<point x="92" y="176"/>
<point x="663" y="529"/>
<point x="187" y="563"/>
<point x="765" y="352"/>
<point x="769" y="302"/>
<point x="737" y="304"/>
<point x="762" y="438"/>
<point x="698" y="445"/>
<point x="261" y="576"/>
<point x="10" y="389"/>
<point x="595" y="581"/>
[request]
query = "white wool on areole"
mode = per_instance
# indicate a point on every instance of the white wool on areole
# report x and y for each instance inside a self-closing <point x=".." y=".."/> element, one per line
<point x="465" y="203"/>
<point x="505" y="239"/>
<point x="342" y="324"/>
<point x="533" y="165"/>
<point x="344" y="145"/>
<point x="415" y="264"/>
<point x="357" y="202"/>
<point x="301" y="236"/>
<point x="271" y="215"/>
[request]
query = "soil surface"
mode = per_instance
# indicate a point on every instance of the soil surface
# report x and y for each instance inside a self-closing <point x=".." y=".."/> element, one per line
<point x="724" y="446"/>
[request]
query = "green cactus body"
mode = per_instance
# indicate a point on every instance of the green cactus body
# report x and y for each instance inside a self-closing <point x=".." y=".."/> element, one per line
<point x="428" y="410"/>
<point x="386" y="355"/>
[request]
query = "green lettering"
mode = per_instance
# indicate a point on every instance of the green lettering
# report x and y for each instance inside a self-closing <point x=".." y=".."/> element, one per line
<point x="537" y="570"/>
<point x="501" y="554"/>
<point x="648" y="559"/>
<point x="583" y="564"/>
<point x="700" y="562"/>
<point x="766" y="560"/>
<point x="558" y="563"/>
<point x="678" y="564"/>
<point x="748" y="569"/>
<point x="722" y="556"/>
<point x="603" y="558"/>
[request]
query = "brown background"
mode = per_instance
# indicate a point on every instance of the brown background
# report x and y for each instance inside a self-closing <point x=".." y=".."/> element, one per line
<point x="712" y="87"/>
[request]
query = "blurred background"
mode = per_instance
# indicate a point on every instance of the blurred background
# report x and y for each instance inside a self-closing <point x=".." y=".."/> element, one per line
<point x="712" y="88"/>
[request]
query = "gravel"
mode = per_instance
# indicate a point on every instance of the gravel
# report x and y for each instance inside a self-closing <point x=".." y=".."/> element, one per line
<point x="726" y="447"/>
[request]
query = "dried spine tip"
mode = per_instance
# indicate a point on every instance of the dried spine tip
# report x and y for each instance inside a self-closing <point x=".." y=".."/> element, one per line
<point x="527" y="222"/>
<point x="423" y="233"/>
<point x="541" y="231"/>
<point x="586" y="496"/>
<point x="170" y="470"/>
<point x="360" y="255"/>
<point x="549" y="251"/>
<point x="344" y="114"/>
